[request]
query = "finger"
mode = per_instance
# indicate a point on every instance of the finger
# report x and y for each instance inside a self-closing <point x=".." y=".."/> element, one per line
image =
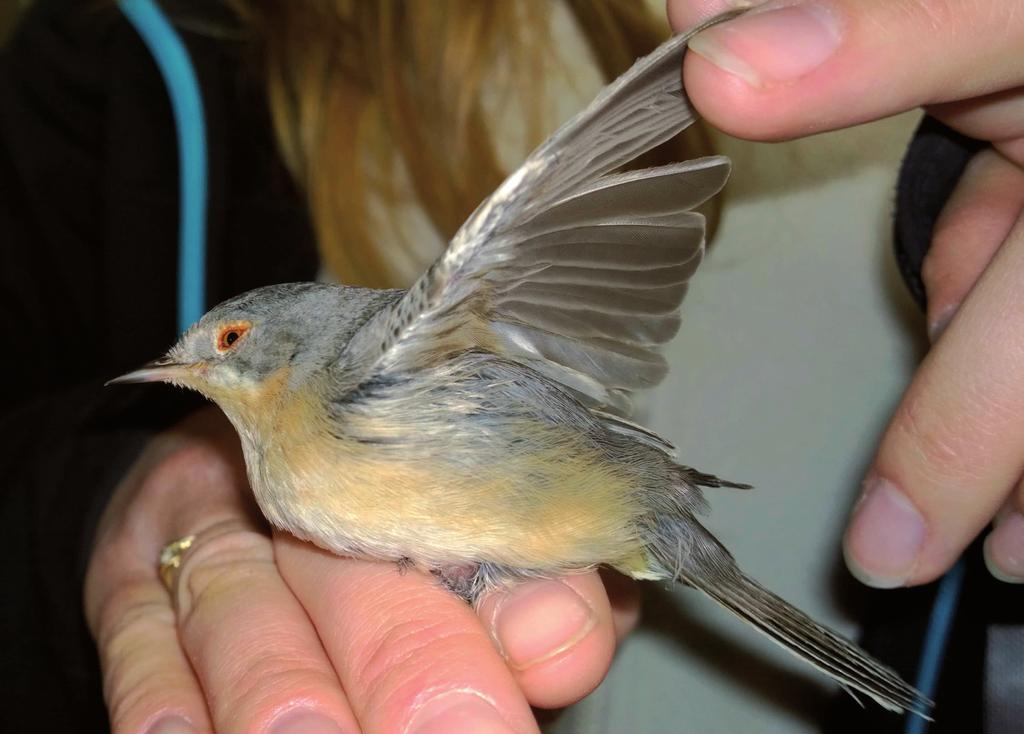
<point x="683" y="14"/>
<point x="788" y="69"/>
<point x="255" y="651"/>
<point x="1004" y="546"/>
<point x="973" y="224"/>
<point x="557" y="636"/>
<point x="625" y="598"/>
<point x="148" y="684"/>
<point x="998" y="116"/>
<point x="1012" y="150"/>
<point x="952" y="452"/>
<point x="411" y="656"/>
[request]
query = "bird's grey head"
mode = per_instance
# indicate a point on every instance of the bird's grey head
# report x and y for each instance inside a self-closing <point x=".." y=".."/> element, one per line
<point x="279" y="332"/>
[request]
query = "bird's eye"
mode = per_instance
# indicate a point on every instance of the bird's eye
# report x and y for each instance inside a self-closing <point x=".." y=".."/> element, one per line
<point x="230" y="335"/>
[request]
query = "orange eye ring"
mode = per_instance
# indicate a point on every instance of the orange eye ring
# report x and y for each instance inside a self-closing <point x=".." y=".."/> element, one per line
<point x="230" y="335"/>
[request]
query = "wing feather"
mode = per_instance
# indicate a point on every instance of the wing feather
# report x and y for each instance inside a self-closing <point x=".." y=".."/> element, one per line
<point x="572" y="269"/>
<point x="678" y="187"/>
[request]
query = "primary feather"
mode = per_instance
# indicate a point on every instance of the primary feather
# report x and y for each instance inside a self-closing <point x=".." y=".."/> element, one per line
<point x="567" y="267"/>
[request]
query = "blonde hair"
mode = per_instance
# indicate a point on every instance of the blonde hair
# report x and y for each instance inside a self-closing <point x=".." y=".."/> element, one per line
<point x="381" y="101"/>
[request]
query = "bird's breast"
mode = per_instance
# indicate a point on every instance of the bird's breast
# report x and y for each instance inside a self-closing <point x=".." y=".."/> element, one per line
<point x="406" y="484"/>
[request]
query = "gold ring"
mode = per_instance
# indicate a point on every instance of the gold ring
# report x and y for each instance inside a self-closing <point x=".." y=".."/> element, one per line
<point x="170" y="559"/>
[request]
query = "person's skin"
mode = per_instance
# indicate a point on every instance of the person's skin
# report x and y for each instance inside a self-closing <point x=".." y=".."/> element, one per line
<point x="952" y="458"/>
<point x="264" y="633"/>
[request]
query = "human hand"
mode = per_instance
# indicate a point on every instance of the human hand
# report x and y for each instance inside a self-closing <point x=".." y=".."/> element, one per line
<point x="952" y="457"/>
<point x="263" y="632"/>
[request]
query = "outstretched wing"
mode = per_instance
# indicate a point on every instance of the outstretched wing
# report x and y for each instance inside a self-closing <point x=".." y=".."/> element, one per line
<point x="568" y="268"/>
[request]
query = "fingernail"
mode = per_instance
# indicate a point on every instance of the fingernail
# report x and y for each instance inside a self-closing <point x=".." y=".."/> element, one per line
<point x="304" y="722"/>
<point x="540" y="619"/>
<point x="172" y="725"/>
<point x="772" y="46"/>
<point x="458" y="713"/>
<point x="939" y="325"/>
<point x="884" y="537"/>
<point x="1004" y="549"/>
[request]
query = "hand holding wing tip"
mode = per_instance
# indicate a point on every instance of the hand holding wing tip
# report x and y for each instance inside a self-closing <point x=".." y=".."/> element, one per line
<point x="480" y="418"/>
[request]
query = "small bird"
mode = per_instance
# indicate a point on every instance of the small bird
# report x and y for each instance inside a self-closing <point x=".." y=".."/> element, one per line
<point x="477" y="425"/>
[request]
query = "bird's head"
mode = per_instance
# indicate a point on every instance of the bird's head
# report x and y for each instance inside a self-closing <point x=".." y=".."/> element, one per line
<point x="244" y="351"/>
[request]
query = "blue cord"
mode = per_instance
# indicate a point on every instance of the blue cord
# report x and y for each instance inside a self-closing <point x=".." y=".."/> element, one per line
<point x="935" y="638"/>
<point x="187" y="103"/>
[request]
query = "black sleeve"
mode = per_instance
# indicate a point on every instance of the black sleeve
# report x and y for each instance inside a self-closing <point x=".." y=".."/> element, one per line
<point x="63" y="439"/>
<point x="931" y="168"/>
<point x="88" y="248"/>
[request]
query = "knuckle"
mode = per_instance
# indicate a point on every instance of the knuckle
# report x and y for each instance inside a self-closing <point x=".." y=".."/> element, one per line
<point x="264" y="685"/>
<point x="129" y="703"/>
<point x="130" y="622"/>
<point x="135" y="707"/>
<point x="939" y="21"/>
<point x="222" y="559"/>
<point x="936" y="16"/>
<point x="134" y="606"/>
<point x="938" y="447"/>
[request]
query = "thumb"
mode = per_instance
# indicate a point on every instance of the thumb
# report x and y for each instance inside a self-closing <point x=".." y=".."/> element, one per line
<point x="788" y="69"/>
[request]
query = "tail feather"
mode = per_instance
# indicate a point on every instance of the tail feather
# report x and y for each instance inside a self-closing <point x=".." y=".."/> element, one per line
<point x="710" y="480"/>
<point x="805" y="638"/>
<point x="702" y="562"/>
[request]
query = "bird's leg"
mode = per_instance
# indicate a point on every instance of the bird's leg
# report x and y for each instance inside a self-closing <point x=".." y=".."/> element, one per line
<point x="463" y="581"/>
<point x="404" y="564"/>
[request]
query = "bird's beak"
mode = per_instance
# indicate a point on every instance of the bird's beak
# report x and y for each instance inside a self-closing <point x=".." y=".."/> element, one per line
<point x="159" y="370"/>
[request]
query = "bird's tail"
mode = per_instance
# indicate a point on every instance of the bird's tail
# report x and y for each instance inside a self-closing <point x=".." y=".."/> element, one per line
<point x="692" y="555"/>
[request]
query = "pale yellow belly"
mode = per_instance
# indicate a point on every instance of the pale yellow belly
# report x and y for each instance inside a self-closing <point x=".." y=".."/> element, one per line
<point x="560" y="508"/>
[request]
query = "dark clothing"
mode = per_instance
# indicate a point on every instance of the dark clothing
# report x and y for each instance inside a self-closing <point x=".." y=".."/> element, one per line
<point x="934" y="162"/>
<point x="88" y="241"/>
